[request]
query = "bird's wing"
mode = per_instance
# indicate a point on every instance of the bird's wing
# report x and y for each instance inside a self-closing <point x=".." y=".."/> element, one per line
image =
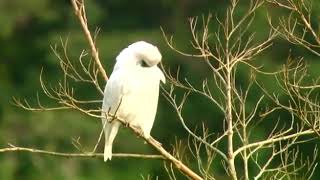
<point x="112" y="97"/>
<point x="114" y="91"/>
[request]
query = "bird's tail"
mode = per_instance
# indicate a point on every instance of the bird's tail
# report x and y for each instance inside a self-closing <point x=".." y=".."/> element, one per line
<point x="107" y="152"/>
<point x="110" y="132"/>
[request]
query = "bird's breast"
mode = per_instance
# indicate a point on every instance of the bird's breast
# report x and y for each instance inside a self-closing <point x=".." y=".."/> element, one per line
<point x="140" y="98"/>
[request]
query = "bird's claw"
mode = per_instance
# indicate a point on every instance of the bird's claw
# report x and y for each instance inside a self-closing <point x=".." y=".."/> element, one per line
<point x="126" y="124"/>
<point x="140" y="132"/>
<point x="112" y="119"/>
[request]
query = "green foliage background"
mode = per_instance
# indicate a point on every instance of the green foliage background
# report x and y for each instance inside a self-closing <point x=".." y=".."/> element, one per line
<point x="28" y="28"/>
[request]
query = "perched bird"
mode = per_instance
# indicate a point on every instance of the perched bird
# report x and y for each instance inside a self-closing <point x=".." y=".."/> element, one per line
<point x="132" y="91"/>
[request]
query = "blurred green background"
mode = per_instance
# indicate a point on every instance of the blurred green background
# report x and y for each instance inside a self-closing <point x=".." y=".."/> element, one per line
<point x="28" y="28"/>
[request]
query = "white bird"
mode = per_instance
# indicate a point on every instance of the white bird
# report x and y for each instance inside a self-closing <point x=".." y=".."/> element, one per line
<point x="132" y="91"/>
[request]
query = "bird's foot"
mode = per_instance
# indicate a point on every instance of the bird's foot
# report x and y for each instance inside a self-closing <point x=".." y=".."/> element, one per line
<point x="110" y="120"/>
<point x="126" y="124"/>
<point x="140" y="131"/>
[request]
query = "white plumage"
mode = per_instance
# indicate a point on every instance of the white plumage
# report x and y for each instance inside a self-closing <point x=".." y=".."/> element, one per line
<point x="136" y="87"/>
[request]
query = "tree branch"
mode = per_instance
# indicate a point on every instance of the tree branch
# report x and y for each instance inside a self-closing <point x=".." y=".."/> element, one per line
<point x="70" y="155"/>
<point x="78" y="6"/>
<point x="177" y="163"/>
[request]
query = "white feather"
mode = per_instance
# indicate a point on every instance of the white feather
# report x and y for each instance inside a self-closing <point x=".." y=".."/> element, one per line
<point x="136" y="87"/>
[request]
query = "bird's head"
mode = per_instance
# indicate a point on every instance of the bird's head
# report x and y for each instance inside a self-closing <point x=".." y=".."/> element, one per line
<point x="138" y="54"/>
<point x="146" y="53"/>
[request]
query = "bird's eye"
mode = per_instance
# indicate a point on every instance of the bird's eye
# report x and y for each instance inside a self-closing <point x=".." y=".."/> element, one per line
<point x="144" y="64"/>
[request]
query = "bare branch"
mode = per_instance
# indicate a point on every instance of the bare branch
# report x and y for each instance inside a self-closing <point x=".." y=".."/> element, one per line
<point x="73" y="155"/>
<point x="79" y="10"/>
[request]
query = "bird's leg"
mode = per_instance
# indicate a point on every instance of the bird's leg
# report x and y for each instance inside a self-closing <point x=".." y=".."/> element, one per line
<point x="126" y="124"/>
<point x="138" y="130"/>
<point x="141" y="133"/>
